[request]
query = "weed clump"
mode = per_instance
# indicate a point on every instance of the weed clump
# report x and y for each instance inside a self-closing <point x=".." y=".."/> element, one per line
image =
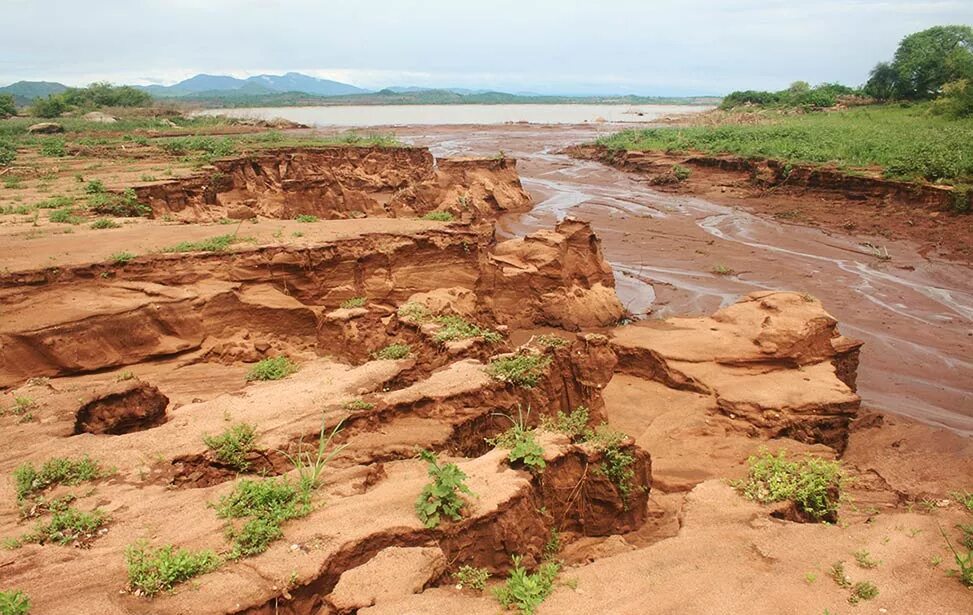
<point x="441" y="498"/>
<point x="153" y="570"/>
<point x="522" y="369"/>
<point x="272" y="368"/>
<point x="14" y="602"/>
<point x="357" y="404"/>
<point x="525" y="591"/>
<point x="457" y="328"/>
<point x="471" y="577"/>
<point x="232" y="446"/>
<point x="439" y="216"/>
<point x="863" y="590"/>
<point x="523" y="445"/>
<point x="354" y="302"/>
<point x="213" y="244"/>
<point x="393" y="352"/>
<point x="67" y="525"/>
<point x="307" y="218"/>
<point x="814" y="485"/>
<point x="56" y="471"/>
<point x="265" y="505"/>
<point x="964" y="561"/>
<point x="865" y="560"/>
<point x="104" y="223"/>
<point x="120" y="258"/>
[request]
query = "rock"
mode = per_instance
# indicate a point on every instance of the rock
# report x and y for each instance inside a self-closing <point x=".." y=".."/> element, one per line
<point x="98" y="116"/>
<point x="393" y="573"/>
<point x="128" y="406"/>
<point x="45" y="128"/>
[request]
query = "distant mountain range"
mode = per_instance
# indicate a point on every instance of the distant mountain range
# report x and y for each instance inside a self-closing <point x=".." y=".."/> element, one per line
<point x="295" y="89"/>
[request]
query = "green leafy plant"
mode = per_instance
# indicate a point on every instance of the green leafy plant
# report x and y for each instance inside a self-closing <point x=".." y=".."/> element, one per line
<point x="837" y="573"/>
<point x="522" y="442"/>
<point x="153" y="570"/>
<point x="53" y="148"/>
<point x="457" y="328"/>
<point x="471" y="577"/>
<point x="865" y="560"/>
<point x="525" y="591"/>
<point x="233" y="445"/>
<point x="55" y="471"/>
<point x="263" y="505"/>
<point x="272" y="368"/>
<point x="438" y="216"/>
<point x="213" y="244"/>
<point x="306" y="218"/>
<point x="863" y="590"/>
<point x="441" y="498"/>
<point x="67" y="525"/>
<point x="680" y="172"/>
<point x="414" y="312"/>
<point x="354" y="302"/>
<point x="617" y="464"/>
<point x="964" y="561"/>
<point x="64" y="216"/>
<point x="120" y="258"/>
<point x="813" y="484"/>
<point x="95" y="186"/>
<point x="523" y="369"/>
<point x="104" y="223"/>
<point x="573" y="424"/>
<point x="549" y="340"/>
<point x="393" y="352"/>
<point x="13" y="602"/>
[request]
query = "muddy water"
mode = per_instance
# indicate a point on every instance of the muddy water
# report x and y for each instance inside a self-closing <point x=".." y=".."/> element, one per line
<point x="915" y="316"/>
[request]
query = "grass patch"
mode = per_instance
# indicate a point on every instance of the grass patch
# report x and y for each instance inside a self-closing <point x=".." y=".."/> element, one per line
<point x="120" y="258"/>
<point x="206" y="146"/>
<point x="457" y="328"/>
<point x="56" y="471"/>
<point x="393" y="352"/>
<point x="522" y="369"/>
<point x="272" y="368"/>
<point x="154" y="570"/>
<point x="306" y="218"/>
<point x="263" y="505"/>
<point x="964" y="498"/>
<point x="232" y="446"/>
<point x="354" y="302"/>
<point x="213" y="244"/>
<point x="471" y="577"/>
<point x="525" y="591"/>
<point x="549" y="340"/>
<point x="124" y="205"/>
<point x="13" y="602"/>
<point x="441" y="497"/>
<point x="53" y="148"/>
<point x="813" y="484"/>
<point x="906" y="142"/>
<point x="964" y="561"/>
<point x="104" y="223"/>
<point x="65" y="216"/>
<point x="438" y="216"/>
<point x="67" y="525"/>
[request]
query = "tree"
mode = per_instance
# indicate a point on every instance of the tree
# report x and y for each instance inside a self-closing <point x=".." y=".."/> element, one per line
<point x="52" y="106"/>
<point x="883" y="82"/>
<point x="927" y="60"/>
<point x="7" y="106"/>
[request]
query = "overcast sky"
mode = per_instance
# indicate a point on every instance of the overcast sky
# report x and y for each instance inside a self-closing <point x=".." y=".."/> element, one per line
<point x="647" y="47"/>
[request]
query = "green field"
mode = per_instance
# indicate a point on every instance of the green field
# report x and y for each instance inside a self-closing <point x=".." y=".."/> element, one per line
<point x="904" y="142"/>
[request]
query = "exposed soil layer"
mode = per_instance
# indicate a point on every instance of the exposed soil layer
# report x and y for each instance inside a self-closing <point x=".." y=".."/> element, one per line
<point x="137" y="364"/>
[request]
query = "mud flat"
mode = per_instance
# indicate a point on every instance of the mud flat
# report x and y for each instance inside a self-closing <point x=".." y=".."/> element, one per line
<point x="413" y="319"/>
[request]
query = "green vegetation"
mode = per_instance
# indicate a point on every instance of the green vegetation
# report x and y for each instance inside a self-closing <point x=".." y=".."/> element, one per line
<point x="105" y="223"/>
<point x="525" y="591"/>
<point x="471" y="577"/>
<point x="414" y="312"/>
<point x="53" y="147"/>
<point x="965" y="499"/>
<point x="354" y="302"/>
<point x="522" y="369"/>
<point x="22" y="407"/>
<point x="67" y="525"/>
<point x="306" y="218"/>
<point x="799" y="94"/>
<point x="64" y="216"/>
<point x="233" y="445"/>
<point x="357" y="405"/>
<point x="813" y="484"/>
<point x="439" y="216"/>
<point x="310" y="465"/>
<point x="8" y="153"/>
<point x="13" y="602"/>
<point x="213" y="244"/>
<point x="120" y="258"/>
<point x="906" y="142"/>
<point x="272" y="368"/>
<point x="441" y="498"/>
<point x="153" y="570"/>
<point x="721" y="269"/>
<point x="865" y="560"/>
<point x="457" y="328"/>
<point x="862" y="590"/>
<point x="522" y="442"/>
<point x="964" y="561"/>
<point x="616" y="464"/>
<point x="680" y="172"/>
<point x="95" y="186"/>
<point x="7" y="106"/>
<point x="550" y="340"/>
<point x="573" y="424"/>
<point x="208" y="147"/>
<point x="125" y="204"/>
<point x="56" y="471"/>
<point x="50" y="107"/>
<point x="393" y="352"/>
<point x="263" y="505"/>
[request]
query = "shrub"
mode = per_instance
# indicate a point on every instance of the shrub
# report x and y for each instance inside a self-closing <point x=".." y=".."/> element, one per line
<point x="64" y="216"/>
<point x="55" y="471"/>
<point x="680" y="172"/>
<point x="53" y="148"/>
<point x="151" y="571"/>
<point x="393" y="352"/>
<point x="95" y="186"/>
<point x="52" y="106"/>
<point x="104" y="223"/>
<point x="8" y="153"/>
<point x="439" y="216"/>
<point x="863" y="590"/>
<point x="104" y="94"/>
<point x="354" y="302"/>
<point x="7" y="106"/>
<point x="814" y="485"/>
<point x="526" y="591"/>
<point x="456" y="328"/>
<point x="265" y="505"/>
<point x="14" y="602"/>
<point x="616" y="464"/>
<point x="306" y="218"/>
<point x="441" y="498"/>
<point x="120" y="258"/>
<point x="522" y="369"/>
<point x="470" y="577"/>
<point x="272" y="368"/>
<point x="413" y="312"/>
<point x="233" y="445"/>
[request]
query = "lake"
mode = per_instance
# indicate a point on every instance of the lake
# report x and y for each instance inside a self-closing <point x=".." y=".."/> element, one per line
<point x="400" y="115"/>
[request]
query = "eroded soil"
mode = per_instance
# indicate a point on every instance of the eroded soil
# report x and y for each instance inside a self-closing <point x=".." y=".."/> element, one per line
<point x="134" y="362"/>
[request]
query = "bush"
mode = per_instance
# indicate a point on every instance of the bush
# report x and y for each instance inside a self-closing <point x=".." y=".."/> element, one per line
<point x="441" y="498"/>
<point x="7" y="106"/>
<point x="53" y="148"/>
<point x="50" y="107"/>
<point x="64" y="216"/>
<point x="521" y="369"/>
<point x="151" y="571"/>
<point x="14" y="602"/>
<point x="813" y="484"/>
<point x="526" y="591"/>
<point x="8" y="153"/>
<point x="104" y="94"/>
<point x="232" y="446"/>
<point x="272" y="368"/>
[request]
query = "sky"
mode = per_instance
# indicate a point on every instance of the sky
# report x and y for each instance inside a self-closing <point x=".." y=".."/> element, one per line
<point x="646" y="47"/>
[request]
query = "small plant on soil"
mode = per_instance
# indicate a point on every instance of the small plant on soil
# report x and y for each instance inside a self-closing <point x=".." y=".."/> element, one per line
<point x="153" y="570"/>
<point x="967" y="530"/>
<point x="64" y="216"/>
<point x="471" y="577"/>
<point x="232" y="446"/>
<point x="680" y="172"/>
<point x="120" y="258"/>
<point x="521" y="369"/>
<point x="357" y="404"/>
<point x="965" y="499"/>
<point x="393" y="352"/>
<point x="264" y="505"/>
<point x="721" y="269"/>
<point x="272" y="368"/>
<point x="354" y="302"/>
<point x="95" y="186"/>
<point x="441" y="498"/>
<point x="522" y="442"/>
<point x="439" y="216"/>
<point x="104" y="223"/>
<point x="56" y="471"/>
<point x="53" y="148"/>
<point x="457" y="328"/>
<point x="616" y="464"/>
<point x="213" y="244"/>
<point x="306" y="218"/>
<point x="813" y="484"/>
<point x="549" y="340"/>
<point x="310" y="465"/>
<point x="22" y="406"/>
<point x="525" y="591"/>
<point x="863" y="590"/>
<point x="14" y="602"/>
<point x="837" y="573"/>
<point x="865" y="560"/>
<point x="414" y="312"/>
<point x="67" y="525"/>
<point x="964" y="561"/>
<point x="573" y="424"/>
<point x="553" y="545"/>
